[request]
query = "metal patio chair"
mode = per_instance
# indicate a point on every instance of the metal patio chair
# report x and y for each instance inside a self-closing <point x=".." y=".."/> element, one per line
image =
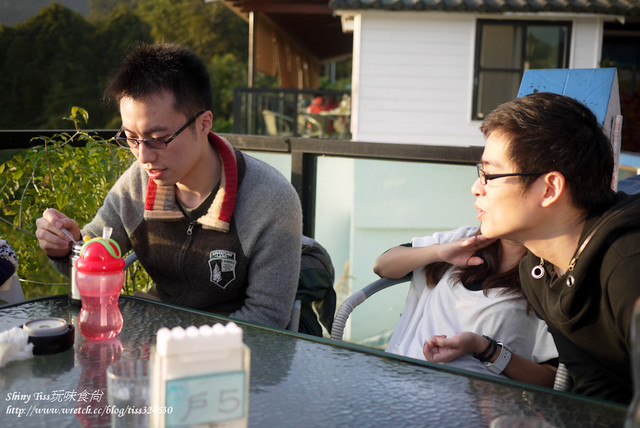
<point x="562" y="379"/>
<point x="277" y="124"/>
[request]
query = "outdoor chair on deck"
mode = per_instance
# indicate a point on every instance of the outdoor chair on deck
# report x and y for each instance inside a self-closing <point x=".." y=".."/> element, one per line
<point x="315" y="301"/>
<point x="351" y="302"/>
<point x="311" y="127"/>
<point x="277" y="124"/>
<point x="562" y="380"/>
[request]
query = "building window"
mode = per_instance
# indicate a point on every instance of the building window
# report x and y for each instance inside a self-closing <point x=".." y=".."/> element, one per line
<point x="505" y="49"/>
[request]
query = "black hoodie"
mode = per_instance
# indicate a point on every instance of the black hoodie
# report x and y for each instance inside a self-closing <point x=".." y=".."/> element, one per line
<point x="589" y="308"/>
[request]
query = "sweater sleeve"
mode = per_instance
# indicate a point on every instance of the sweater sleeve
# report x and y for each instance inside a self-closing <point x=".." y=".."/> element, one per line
<point x="121" y="210"/>
<point x="269" y="220"/>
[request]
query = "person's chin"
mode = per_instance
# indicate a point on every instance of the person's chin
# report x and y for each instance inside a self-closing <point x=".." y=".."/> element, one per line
<point x="495" y="233"/>
<point x="164" y="182"/>
<point x="487" y="231"/>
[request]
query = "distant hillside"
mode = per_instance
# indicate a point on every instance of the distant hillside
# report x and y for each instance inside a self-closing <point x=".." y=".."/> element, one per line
<point x="15" y="11"/>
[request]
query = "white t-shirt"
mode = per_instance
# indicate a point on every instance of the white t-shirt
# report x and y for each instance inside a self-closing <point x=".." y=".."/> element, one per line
<point x="450" y="308"/>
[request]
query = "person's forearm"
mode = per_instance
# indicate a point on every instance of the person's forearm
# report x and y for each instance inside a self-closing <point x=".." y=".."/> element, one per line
<point x="399" y="261"/>
<point x="522" y="369"/>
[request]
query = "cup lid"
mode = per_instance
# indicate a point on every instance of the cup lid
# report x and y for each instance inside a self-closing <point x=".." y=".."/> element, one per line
<point x="100" y="255"/>
<point x="49" y="335"/>
<point x="45" y="327"/>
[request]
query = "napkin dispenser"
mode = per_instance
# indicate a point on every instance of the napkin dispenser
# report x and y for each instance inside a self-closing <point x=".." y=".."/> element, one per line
<point x="200" y="376"/>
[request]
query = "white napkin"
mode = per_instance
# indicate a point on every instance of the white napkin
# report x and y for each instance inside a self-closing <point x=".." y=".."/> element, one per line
<point x="14" y="346"/>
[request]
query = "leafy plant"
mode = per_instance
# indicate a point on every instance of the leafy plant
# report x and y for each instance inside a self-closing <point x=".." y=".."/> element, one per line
<point x="71" y="172"/>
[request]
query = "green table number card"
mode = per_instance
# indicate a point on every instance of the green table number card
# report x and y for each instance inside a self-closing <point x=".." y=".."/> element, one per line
<point x="210" y="398"/>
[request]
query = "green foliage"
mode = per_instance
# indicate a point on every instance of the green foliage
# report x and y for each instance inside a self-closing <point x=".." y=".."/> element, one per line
<point x="58" y="59"/>
<point x="100" y="9"/>
<point x="342" y="76"/>
<point x="37" y="75"/>
<point x="69" y="172"/>
<point x="208" y="28"/>
<point x="226" y="73"/>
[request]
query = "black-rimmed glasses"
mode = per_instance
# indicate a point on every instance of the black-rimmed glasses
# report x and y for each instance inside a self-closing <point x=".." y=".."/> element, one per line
<point x="484" y="177"/>
<point x="152" y="143"/>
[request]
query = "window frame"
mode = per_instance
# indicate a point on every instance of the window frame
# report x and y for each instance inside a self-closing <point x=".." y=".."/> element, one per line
<point x="564" y="52"/>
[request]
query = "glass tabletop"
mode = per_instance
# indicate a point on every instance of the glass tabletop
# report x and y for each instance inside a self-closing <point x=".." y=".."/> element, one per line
<point x="295" y="380"/>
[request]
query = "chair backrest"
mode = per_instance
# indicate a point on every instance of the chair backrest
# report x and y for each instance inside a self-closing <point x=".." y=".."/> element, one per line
<point x="357" y="298"/>
<point x="323" y="122"/>
<point x="312" y="127"/>
<point x="277" y="124"/>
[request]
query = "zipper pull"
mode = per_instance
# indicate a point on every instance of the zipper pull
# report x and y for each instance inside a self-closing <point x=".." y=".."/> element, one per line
<point x="190" y="228"/>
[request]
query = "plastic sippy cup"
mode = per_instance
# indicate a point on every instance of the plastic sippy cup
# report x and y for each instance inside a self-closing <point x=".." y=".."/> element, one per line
<point x="100" y="277"/>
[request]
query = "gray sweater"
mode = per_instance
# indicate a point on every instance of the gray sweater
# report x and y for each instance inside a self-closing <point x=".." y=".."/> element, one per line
<point x="241" y="258"/>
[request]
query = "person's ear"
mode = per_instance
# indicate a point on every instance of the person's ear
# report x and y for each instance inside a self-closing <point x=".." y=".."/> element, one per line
<point x="554" y="188"/>
<point x="206" y="122"/>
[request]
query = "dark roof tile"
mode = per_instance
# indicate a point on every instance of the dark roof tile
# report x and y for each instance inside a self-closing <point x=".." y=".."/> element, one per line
<point x="606" y="7"/>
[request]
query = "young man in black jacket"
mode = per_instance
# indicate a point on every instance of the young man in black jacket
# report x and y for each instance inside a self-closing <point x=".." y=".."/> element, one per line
<point x="545" y="181"/>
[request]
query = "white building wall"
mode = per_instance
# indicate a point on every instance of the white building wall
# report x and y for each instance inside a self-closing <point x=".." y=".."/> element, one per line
<point x="414" y="79"/>
<point x="413" y="73"/>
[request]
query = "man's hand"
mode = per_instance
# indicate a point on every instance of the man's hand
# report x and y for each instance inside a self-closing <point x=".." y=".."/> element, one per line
<point x="50" y="236"/>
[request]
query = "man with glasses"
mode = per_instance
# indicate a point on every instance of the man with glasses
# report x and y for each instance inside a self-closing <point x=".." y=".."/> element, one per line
<point x="216" y="229"/>
<point x="545" y="181"/>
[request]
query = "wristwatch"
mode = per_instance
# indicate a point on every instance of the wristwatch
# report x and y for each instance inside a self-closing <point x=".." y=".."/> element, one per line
<point x="501" y="362"/>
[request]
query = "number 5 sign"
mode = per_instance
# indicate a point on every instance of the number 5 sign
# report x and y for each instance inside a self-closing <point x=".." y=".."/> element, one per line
<point x="205" y="399"/>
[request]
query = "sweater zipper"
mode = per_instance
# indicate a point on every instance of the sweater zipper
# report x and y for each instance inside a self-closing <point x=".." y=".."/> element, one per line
<point x="190" y="228"/>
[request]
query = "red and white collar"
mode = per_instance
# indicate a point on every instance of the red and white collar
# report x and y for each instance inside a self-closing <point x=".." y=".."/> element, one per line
<point x="160" y="201"/>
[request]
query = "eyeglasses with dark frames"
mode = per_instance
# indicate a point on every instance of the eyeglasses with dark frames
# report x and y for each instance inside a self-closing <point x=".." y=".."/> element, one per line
<point x="152" y="143"/>
<point x="484" y="177"/>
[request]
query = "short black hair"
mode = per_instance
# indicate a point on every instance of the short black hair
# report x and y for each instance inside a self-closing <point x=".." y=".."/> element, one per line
<point x="551" y="132"/>
<point x="154" y="68"/>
